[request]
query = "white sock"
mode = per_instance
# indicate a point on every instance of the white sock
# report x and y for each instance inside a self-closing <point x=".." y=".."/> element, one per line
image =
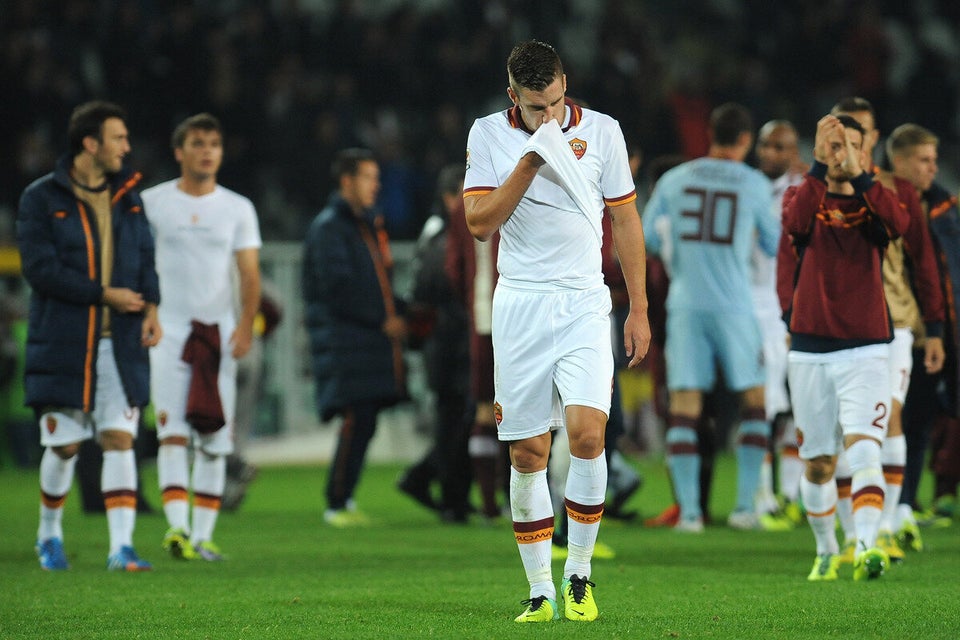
<point x="533" y="529"/>
<point x="820" y="501"/>
<point x="173" y="471"/>
<point x="209" y="478"/>
<point x="584" y="495"/>
<point x="844" y="502"/>
<point x="118" y="481"/>
<point x="867" y="490"/>
<point x="56" y="476"/>
<point x="894" y="459"/>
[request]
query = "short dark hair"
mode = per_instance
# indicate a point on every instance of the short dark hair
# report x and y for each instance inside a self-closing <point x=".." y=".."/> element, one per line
<point x="852" y="104"/>
<point x="348" y="161"/>
<point x="201" y="121"/>
<point x="849" y="122"/>
<point x="728" y="121"/>
<point x="87" y="120"/>
<point x="533" y="65"/>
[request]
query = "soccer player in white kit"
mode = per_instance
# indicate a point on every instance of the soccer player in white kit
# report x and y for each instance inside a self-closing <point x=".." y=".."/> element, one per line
<point x="551" y="328"/>
<point x="201" y="231"/>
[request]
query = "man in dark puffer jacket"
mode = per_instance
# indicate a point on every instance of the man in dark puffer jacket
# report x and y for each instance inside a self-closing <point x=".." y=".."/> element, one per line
<point x="88" y="256"/>
<point x="354" y="323"/>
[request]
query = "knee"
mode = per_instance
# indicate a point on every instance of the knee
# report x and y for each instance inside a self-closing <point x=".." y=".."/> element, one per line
<point x="67" y="451"/>
<point x="820" y="469"/>
<point x="175" y="441"/>
<point x="587" y="444"/>
<point x="529" y="456"/>
<point x="116" y="440"/>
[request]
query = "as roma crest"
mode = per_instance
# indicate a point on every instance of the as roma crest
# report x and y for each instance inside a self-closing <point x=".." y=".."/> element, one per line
<point x="579" y="147"/>
<point x="51" y="424"/>
<point x="498" y="412"/>
<point x="162" y="418"/>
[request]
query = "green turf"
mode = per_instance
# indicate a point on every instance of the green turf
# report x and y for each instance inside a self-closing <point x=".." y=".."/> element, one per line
<point x="289" y="576"/>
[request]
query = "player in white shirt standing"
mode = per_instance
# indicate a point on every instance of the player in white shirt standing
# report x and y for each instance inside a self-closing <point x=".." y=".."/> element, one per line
<point x="541" y="173"/>
<point x="201" y="230"/>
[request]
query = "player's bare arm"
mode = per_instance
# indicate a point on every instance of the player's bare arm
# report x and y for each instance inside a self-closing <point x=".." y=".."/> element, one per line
<point x="629" y="243"/>
<point x="248" y="266"/>
<point x="486" y="213"/>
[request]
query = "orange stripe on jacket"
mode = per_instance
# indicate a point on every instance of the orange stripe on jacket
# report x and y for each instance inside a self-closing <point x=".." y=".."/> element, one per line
<point x="91" y="311"/>
<point x="386" y="290"/>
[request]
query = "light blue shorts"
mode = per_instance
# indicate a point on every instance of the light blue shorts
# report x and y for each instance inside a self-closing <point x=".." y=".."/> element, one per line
<point x="699" y="341"/>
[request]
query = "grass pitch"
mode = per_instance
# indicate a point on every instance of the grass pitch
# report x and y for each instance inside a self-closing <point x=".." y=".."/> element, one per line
<point x="408" y="576"/>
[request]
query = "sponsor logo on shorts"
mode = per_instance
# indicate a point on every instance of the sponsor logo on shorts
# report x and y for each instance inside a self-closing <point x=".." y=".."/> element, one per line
<point x="497" y="413"/>
<point x="51" y="424"/>
<point x="579" y="147"/>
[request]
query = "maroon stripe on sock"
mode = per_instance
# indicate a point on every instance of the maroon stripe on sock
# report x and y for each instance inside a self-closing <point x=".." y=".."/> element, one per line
<point x="753" y="440"/>
<point x="536" y="525"/>
<point x="674" y="420"/>
<point x="681" y="449"/>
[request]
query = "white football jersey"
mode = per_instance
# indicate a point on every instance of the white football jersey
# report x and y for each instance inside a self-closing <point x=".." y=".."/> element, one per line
<point x="548" y="242"/>
<point x="196" y="239"/>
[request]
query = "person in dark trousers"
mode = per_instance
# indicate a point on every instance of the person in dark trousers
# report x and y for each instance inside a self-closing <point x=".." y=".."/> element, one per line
<point x="446" y="355"/>
<point x="354" y="323"/>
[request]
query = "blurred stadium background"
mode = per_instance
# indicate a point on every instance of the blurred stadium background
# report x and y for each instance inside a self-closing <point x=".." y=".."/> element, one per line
<point x="295" y="80"/>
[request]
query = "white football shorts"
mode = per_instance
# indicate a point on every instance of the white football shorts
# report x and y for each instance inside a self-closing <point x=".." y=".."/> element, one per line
<point x="901" y="363"/>
<point x="837" y="394"/>
<point x="551" y="349"/>
<point x="62" y="426"/>
<point x="171" y="384"/>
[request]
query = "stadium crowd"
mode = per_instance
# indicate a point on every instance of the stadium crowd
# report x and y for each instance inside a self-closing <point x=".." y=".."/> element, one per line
<point x="295" y="80"/>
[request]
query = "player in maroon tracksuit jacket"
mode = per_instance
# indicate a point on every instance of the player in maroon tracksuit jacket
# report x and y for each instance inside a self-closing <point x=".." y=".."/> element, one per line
<point x="839" y="221"/>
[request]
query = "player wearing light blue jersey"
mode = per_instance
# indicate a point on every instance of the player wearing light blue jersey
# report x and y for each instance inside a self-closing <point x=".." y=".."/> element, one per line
<point x="716" y="208"/>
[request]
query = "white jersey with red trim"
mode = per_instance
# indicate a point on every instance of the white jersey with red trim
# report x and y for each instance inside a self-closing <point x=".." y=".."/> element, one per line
<point x="196" y="241"/>
<point x="548" y="243"/>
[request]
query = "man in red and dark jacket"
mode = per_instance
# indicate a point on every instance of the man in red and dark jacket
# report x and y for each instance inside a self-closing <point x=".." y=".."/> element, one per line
<point x="829" y="276"/>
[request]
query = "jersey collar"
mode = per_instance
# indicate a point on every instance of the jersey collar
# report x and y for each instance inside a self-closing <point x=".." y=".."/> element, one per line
<point x="574" y="116"/>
